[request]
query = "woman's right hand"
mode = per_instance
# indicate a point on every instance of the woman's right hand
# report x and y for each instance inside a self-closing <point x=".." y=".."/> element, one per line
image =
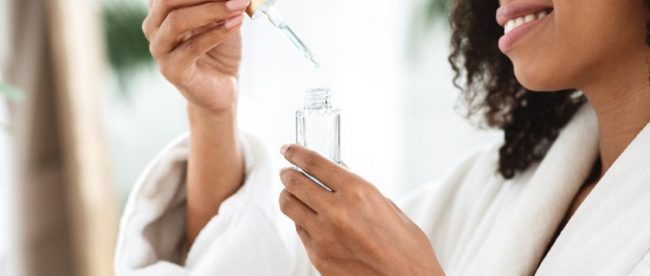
<point x="197" y="45"/>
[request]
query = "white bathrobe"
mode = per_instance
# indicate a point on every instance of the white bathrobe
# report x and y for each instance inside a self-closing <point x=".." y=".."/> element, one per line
<point x="478" y="222"/>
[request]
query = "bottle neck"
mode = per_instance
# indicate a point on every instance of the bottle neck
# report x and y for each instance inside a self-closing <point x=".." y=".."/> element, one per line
<point x="318" y="99"/>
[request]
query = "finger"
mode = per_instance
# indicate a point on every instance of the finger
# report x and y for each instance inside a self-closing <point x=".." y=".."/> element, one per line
<point x="183" y="20"/>
<point x="396" y="207"/>
<point x="189" y="51"/>
<point x="297" y="211"/>
<point x="304" y="235"/>
<point x="159" y="10"/>
<point x="179" y="14"/>
<point x="326" y="171"/>
<point x="181" y="24"/>
<point x="302" y="232"/>
<point x="305" y="190"/>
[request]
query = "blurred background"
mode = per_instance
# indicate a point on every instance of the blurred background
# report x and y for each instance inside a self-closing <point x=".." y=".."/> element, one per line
<point x="83" y="109"/>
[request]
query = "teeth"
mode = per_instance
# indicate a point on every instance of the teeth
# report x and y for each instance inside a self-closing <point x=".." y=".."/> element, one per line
<point x="519" y="21"/>
<point x="514" y="23"/>
<point x="509" y="26"/>
<point x="530" y="17"/>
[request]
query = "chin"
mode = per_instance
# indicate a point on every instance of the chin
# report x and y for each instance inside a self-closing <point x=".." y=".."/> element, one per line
<point x="540" y="79"/>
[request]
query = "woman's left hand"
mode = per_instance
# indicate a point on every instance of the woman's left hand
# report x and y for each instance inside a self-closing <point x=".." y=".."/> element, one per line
<point x="354" y="230"/>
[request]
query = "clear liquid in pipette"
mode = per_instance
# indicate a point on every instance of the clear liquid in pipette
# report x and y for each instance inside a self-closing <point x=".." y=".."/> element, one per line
<point x="297" y="42"/>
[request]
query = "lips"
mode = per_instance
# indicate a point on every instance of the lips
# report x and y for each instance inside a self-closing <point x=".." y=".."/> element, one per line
<point x="515" y="10"/>
<point x="518" y="19"/>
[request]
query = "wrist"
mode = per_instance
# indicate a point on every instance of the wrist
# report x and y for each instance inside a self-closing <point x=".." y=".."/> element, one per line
<point x="214" y="104"/>
<point x="208" y="127"/>
<point x="199" y="115"/>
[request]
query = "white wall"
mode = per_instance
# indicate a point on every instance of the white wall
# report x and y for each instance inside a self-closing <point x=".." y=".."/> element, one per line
<point x="140" y="125"/>
<point x="360" y="55"/>
<point x="434" y="135"/>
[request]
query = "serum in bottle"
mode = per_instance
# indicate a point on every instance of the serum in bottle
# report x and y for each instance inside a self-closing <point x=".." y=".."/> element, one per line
<point x="318" y="127"/>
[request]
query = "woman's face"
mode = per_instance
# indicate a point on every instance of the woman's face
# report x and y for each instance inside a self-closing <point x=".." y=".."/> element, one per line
<point x="576" y="42"/>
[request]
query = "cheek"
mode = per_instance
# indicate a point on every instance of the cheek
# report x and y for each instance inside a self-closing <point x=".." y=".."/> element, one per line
<point x="580" y="39"/>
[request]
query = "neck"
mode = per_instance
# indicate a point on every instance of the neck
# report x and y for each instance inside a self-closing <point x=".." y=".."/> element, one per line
<point x="622" y="104"/>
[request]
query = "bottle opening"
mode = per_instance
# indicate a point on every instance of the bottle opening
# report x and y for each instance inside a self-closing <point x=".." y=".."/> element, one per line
<point x="318" y="99"/>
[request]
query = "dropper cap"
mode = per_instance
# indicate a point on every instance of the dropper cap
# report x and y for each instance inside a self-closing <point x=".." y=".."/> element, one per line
<point x="256" y="7"/>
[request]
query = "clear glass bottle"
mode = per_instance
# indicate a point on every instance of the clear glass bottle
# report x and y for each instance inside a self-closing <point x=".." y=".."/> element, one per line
<point x="318" y="125"/>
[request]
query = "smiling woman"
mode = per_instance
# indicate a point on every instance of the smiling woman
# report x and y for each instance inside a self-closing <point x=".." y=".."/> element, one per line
<point x="565" y="193"/>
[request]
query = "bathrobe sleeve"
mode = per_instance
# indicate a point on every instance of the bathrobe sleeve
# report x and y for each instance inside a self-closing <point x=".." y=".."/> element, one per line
<point x="249" y="236"/>
<point x="447" y="209"/>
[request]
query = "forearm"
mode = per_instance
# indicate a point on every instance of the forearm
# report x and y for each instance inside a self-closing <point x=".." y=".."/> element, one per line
<point x="215" y="168"/>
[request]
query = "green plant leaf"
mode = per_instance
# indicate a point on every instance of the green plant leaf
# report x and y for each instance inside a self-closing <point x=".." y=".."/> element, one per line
<point x="426" y="16"/>
<point x="11" y="93"/>
<point x="127" y="48"/>
<point x="435" y="9"/>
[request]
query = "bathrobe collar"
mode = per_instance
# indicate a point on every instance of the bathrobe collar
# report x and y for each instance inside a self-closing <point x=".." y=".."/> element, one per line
<point x="618" y="207"/>
<point x="612" y="225"/>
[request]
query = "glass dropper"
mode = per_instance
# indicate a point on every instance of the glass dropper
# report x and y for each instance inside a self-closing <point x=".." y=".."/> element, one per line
<point x="266" y="8"/>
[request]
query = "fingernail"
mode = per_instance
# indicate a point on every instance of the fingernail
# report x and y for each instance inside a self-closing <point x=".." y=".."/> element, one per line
<point x="233" y="22"/>
<point x="283" y="149"/>
<point x="235" y="5"/>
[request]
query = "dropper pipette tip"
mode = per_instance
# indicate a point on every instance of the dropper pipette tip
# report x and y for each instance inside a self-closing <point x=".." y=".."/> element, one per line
<point x="298" y="44"/>
<point x="314" y="62"/>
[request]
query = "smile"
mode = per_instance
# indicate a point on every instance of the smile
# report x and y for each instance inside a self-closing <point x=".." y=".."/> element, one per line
<point x="517" y="19"/>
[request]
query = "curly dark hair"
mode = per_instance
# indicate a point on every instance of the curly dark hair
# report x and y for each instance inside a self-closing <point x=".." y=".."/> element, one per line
<point x="531" y="121"/>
